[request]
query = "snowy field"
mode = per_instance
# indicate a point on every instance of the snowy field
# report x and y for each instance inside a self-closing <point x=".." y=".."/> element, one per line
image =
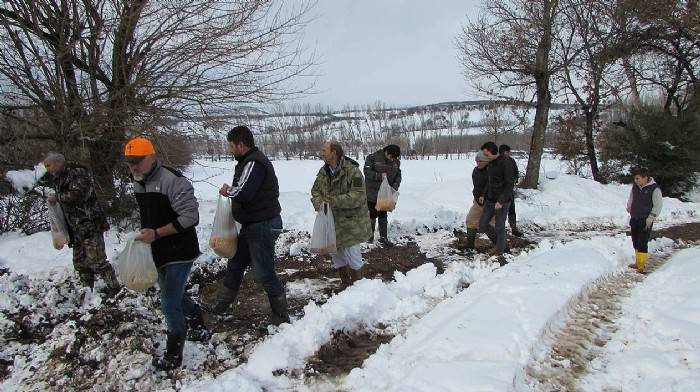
<point x="448" y="337"/>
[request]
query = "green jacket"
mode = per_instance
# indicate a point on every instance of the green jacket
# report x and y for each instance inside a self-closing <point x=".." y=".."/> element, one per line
<point x="346" y="190"/>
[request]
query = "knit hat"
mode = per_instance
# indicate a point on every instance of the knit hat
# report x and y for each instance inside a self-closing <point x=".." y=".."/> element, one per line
<point x="480" y="157"/>
<point x="138" y="148"/>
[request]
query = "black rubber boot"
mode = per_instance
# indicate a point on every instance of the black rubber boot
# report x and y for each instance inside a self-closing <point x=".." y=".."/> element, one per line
<point x="471" y="238"/>
<point x="280" y="309"/>
<point x="110" y="278"/>
<point x="173" y="354"/>
<point x="383" y="230"/>
<point x="512" y="222"/>
<point x="196" y="329"/>
<point x="371" y="236"/>
<point x="501" y="260"/>
<point x="87" y="278"/>
<point x="224" y="299"/>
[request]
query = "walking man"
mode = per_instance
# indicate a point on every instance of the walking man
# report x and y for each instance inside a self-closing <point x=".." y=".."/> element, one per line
<point x="480" y="179"/>
<point x="382" y="164"/>
<point x="497" y="198"/>
<point x="169" y="213"/>
<point x="85" y="219"/>
<point x="254" y="195"/>
<point x="504" y="150"/>
<point x="340" y="184"/>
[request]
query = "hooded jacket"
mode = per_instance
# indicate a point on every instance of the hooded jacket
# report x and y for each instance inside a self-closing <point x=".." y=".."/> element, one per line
<point x="346" y="189"/>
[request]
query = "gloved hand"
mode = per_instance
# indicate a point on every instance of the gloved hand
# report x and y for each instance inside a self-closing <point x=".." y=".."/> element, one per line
<point x="650" y="221"/>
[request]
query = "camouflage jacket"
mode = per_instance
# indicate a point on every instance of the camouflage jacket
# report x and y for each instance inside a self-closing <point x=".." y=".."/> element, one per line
<point x="75" y="192"/>
<point x="346" y="189"/>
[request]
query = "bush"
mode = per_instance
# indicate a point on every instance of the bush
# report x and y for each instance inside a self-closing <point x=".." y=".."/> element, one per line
<point x="569" y="142"/>
<point x="23" y="212"/>
<point x="666" y="144"/>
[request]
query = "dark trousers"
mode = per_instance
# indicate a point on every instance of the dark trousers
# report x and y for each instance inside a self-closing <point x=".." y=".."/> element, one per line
<point x="175" y="303"/>
<point x="511" y="214"/>
<point x="373" y="213"/>
<point x="497" y="234"/>
<point x="640" y="234"/>
<point x="256" y="248"/>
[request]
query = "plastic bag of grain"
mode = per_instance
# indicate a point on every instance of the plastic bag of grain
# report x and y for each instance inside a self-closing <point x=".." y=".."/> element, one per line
<point x="386" y="197"/>
<point x="59" y="229"/>
<point x="224" y="234"/>
<point x="323" y="236"/>
<point x="135" y="265"/>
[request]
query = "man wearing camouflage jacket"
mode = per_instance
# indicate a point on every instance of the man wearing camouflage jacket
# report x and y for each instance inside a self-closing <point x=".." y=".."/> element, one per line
<point x="85" y="219"/>
<point x="340" y="184"/>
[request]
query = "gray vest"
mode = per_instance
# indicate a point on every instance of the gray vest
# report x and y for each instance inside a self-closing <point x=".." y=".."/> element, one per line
<point x="642" y="200"/>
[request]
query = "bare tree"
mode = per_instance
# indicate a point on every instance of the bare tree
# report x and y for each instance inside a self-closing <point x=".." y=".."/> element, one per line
<point x="101" y="70"/>
<point x="590" y="43"/>
<point x="508" y="49"/>
<point x="665" y="39"/>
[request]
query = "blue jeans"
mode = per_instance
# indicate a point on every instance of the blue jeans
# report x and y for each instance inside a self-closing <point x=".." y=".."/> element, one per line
<point x="175" y="303"/>
<point x="256" y="248"/>
<point x="497" y="234"/>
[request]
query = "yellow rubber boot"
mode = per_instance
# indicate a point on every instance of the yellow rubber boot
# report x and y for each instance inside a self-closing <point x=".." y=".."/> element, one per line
<point x="641" y="261"/>
<point x="636" y="260"/>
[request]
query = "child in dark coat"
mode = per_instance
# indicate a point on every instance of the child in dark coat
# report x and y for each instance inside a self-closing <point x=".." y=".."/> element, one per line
<point x="644" y="205"/>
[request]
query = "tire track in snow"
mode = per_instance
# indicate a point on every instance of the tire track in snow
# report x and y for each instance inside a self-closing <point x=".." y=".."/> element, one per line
<point x="588" y="327"/>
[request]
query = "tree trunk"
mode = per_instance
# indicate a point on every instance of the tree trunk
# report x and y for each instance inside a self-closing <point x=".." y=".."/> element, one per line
<point x="590" y="147"/>
<point x="532" y="172"/>
<point x="544" y="98"/>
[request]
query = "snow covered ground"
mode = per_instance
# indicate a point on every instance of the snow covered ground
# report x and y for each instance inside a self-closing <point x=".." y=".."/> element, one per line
<point x="657" y="347"/>
<point x="447" y="337"/>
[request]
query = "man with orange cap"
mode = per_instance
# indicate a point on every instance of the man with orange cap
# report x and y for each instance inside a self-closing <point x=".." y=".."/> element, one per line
<point x="169" y="214"/>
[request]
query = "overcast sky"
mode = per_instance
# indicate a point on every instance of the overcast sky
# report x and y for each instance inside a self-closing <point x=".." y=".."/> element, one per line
<point x="401" y="52"/>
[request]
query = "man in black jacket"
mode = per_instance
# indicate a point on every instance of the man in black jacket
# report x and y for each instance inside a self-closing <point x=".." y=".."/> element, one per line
<point x="255" y="203"/>
<point x="504" y="150"/>
<point x="169" y="213"/>
<point x="382" y="164"/>
<point x="497" y="198"/>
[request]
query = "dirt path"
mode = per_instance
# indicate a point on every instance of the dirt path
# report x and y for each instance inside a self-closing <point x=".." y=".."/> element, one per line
<point x="591" y="321"/>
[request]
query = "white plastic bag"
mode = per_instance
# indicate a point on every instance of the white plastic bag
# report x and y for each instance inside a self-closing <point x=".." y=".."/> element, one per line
<point x="323" y="237"/>
<point x="224" y="234"/>
<point x="387" y="197"/>
<point x="136" y="268"/>
<point x="59" y="229"/>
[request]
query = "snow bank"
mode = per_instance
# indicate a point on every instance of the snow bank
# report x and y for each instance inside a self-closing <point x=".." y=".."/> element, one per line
<point x="367" y="302"/>
<point x="481" y="338"/>
<point x="657" y="346"/>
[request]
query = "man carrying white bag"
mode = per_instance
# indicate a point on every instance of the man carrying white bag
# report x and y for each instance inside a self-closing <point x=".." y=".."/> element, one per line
<point x="339" y="185"/>
<point x="169" y="214"/>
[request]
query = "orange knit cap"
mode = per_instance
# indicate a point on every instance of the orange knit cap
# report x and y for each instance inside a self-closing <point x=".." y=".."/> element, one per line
<point x="139" y="147"/>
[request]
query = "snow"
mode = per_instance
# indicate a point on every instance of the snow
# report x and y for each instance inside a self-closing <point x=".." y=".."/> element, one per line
<point x="23" y="180"/>
<point x="437" y="194"/>
<point x="485" y="334"/>
<point x="367" y="302"/>
<point x="657" y="346"/>
<point x="447" y="337"/>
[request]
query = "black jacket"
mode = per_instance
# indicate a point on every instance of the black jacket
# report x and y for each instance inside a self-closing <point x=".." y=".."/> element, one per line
<point x="166" y="196"/>
<point x="480" y="178"/>
<point x="255" y="190"/>
<point x="501" y="180"/>
<point x="375" y="165"/>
